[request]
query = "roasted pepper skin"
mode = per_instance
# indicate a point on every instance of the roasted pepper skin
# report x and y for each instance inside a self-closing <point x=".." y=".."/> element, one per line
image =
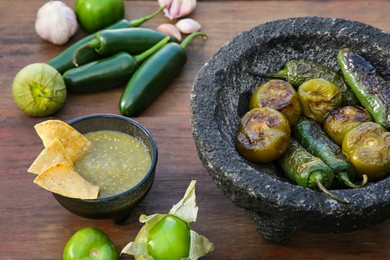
<point x="367" y="147"/>
<point x="153" y="76"/>
<point x="298" y="71"/>
<point x="63" y="61"/>
<point x="313" y="138"/>
<point x="370" y="88"/>
<point x="306" y="170"/>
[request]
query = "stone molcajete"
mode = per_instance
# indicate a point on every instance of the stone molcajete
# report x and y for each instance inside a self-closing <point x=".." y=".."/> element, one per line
<point x="220" y="97"/>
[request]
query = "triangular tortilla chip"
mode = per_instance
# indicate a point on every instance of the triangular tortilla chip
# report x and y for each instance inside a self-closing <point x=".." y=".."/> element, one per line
<point x="75" y="144"/>
<point x="64" y="180"/>
<point x="53" y="154"/>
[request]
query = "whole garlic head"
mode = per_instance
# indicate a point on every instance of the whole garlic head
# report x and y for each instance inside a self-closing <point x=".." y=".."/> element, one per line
<point x="56" y="22"/>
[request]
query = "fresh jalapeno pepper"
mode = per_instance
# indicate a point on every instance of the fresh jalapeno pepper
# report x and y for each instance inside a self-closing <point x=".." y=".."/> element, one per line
<point x="63" y="61"/>
<point x="90" y="243"/>
<point x="318" y="97"/>
<point x="340" y="120"/>
<point x="107" y="73"/>
<point x="153" y="76"/>
<point x="131" y="40"/>
<point x="298" y="71"/>
<point x="307" y="170"/>
<point x="263" y="135"/>
<point x="313" y="138"/>
<point x="370" y="88"/>
<point x="367" y="147"/>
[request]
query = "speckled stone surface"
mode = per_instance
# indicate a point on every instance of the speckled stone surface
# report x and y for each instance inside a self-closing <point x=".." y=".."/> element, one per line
<point x="220" y="97"/>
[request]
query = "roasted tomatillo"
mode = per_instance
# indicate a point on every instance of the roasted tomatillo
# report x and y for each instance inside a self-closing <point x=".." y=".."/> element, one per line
<point x="367" y="147"/>
<point x="94" y="15"/>
<point x="90" y="244"/>
<point x="263" y="135"/>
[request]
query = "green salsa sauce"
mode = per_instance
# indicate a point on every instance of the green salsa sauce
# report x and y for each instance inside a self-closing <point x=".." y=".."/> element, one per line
<point x="116" y="162"/>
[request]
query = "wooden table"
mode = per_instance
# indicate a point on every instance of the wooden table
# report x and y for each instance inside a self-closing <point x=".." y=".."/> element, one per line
<point x="34" y="226"/>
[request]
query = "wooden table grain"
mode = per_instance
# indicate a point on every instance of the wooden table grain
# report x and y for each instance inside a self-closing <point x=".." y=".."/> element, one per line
<point x="34" y="226"/>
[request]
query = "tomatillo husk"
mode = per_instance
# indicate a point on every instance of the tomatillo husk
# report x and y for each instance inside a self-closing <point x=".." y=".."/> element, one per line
<point x="39" y="90"/>
<point x="186" y="210"/>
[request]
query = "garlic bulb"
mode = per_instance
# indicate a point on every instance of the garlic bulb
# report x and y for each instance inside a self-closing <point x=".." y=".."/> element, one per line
<point x="56" y="22"/>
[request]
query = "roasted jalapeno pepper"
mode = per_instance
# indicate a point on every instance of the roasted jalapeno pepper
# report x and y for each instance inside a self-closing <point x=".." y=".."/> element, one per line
<point x="131" y="40"/>
<point x="367" y="147"/>
<point x="263" y="135"/>
<point x="90" y="243"/>
<point x="298" y="71"/>
<point x="63" y="61"/>
<point x="106" y="73"/>
<point x="370" y="88"/>
<point x="318" y="97"/>
<point x="313" y="138"/>
<point x="340" y="120"/>
<point x="94" y="15"/>
<point x="279" y="95"/>
<point x="306" y="170"/>
<point x="153" y="76"/>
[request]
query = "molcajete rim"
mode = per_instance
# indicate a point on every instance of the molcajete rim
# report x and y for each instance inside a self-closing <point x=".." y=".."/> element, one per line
<point x="222" y="89"/>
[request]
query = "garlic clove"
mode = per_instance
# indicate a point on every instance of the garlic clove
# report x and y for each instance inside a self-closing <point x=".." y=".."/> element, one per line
<point x="188" y="25"/>
<point x="170" y="29"/>
<point x="56" y="22"/>
<point x="177" y="8"/>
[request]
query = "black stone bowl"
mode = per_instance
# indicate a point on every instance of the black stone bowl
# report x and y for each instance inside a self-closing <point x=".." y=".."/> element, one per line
<point x="220" y="97"/>
<point x="117" y="207"/>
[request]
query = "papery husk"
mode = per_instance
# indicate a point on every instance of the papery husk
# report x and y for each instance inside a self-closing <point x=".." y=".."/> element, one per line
<point x="186" y="210"/>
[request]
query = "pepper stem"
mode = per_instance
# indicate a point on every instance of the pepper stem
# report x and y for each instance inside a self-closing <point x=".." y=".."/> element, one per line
<point x="189" y="38"/>
<point x="331" y="195"/>
<point x="343" y="176"/>
<point x="269" y="75"/>
<point x="142" y="56"/>
<point x="139" y="21"/>
<point x="92" y="44"/>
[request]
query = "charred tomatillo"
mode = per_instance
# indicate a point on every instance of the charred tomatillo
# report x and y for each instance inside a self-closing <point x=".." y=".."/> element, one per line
<point x="90" y="244"/>
<point x="94" y="15"/>
<point x="169" y="239"/>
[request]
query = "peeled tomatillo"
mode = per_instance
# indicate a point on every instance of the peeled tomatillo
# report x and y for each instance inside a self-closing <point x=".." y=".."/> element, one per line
<point x="90" y="244"/>
<point x="367" y="147"/>
<point x="94" y="15"/>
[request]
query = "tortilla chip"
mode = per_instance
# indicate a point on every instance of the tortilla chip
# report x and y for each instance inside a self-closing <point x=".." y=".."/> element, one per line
<point x="75" y="144"/>
<point x="53" y="154"/>
<point x="64" y="180"/>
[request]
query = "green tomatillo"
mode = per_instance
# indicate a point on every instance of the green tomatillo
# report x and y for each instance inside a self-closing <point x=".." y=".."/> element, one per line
<point x="90" y="244"/>
<point x="94" y="15"/>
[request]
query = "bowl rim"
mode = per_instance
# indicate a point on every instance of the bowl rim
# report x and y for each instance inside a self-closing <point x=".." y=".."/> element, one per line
<point x="146" y="132"/>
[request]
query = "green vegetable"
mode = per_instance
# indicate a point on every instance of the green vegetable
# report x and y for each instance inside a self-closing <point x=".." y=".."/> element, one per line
<point x="262" y="135"/>
<point x="153" y="76"/>
<point x="313" y="138"/>
<point x="108" y="72"/>
<point x="63" y="61"/>
<point x="90" y="244"/>
<point x="307" y="170"/>
<point x="298" y="71"/>
<point x="371" y="89"/>
<point x="39" y="90"/>
<point x="94" y="15"/>
<point x="131" y="40"/>
<point x="169" y="239"/>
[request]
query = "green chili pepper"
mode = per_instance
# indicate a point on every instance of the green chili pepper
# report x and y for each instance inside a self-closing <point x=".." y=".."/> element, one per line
<point x="131" y="40"/>
<point x="107" y="73"/>
<point x="63" y="61"/>
<point x="298" y="71"/>
<point x="313" y="138"/>
<point x="307" y="170"/>
<point x="169" y="239"/>
<point x="153" y="76"/>
<point x="370" y="88"/>
<point x="90" y="243"/>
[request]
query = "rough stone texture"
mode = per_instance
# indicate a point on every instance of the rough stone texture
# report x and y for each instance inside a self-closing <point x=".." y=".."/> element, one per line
<point x="220" y="96"/>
